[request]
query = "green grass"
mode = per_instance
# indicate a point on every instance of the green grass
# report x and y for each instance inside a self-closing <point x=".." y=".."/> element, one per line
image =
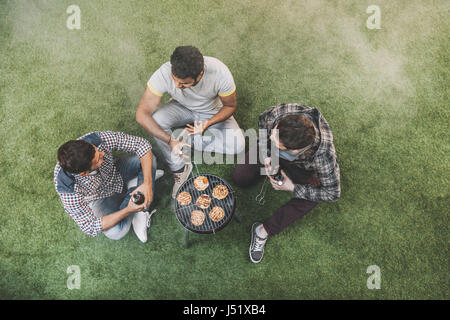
<point x="384" y="93"/>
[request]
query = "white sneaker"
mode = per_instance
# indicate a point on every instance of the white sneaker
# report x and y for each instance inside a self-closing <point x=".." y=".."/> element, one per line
<point x="140" y="223"/>
<point x="159" y="173"/>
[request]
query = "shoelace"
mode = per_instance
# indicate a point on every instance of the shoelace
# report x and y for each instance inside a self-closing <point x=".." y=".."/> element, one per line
<point x="258" y="245"/>
<point x="177" y="177"/>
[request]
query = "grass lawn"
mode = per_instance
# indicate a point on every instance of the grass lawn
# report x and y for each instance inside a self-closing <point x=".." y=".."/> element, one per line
<point x="383" y="91"/>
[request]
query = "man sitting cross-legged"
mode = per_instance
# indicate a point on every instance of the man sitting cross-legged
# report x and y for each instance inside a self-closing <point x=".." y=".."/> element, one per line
<point x="308" y="164"/>
<point x="95" y="189"/>
<point x="203" y="99"/>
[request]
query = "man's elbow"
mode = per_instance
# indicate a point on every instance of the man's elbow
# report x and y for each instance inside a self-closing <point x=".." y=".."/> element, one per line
<point x="139" y="116"/>
<point x="336" y="195"/>
<point x="233" y="107"/>
<point x="90" y="231"/>
<point x="331" y="194"/>
<point x="230" y="110"/>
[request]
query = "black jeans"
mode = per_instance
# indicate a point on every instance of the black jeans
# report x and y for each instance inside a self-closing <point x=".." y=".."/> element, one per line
<point x="247" y="174"/>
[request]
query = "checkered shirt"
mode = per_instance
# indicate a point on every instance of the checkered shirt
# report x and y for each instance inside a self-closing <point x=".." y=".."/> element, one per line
<point x="104" y="184"/>
<point x="321" y="158"/>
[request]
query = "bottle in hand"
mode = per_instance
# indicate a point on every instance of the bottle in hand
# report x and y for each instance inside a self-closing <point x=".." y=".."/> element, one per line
<point x="138" y="198"/>
<point x="278" y="177"/>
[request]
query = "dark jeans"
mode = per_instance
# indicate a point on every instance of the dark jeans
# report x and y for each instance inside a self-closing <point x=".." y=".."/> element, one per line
<point x="247" y="174"/>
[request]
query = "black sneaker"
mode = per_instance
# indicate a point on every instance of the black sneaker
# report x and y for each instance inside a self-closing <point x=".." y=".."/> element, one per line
<point x="256" y="249"/>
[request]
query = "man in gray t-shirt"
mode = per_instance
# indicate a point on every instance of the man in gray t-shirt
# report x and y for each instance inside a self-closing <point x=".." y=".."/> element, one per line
<point x="203" y="99"/>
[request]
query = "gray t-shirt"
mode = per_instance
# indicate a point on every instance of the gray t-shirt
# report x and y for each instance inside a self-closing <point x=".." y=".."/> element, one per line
<point x="216" y="81"/>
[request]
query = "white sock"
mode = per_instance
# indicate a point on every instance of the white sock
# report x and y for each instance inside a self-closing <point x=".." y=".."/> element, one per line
<point x="258" y="232"/>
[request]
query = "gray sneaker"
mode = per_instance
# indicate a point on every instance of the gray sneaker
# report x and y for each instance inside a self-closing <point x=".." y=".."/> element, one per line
<point x="256" y="250"/>
<point x="180" y="178"/>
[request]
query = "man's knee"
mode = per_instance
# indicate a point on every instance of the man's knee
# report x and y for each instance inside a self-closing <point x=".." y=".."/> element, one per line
<point x="116" y="232"/>
<point x="237" y="178"/>
<point x="161" y="119"/>
<point x="299" y="207"/>
<point x="114" y="236"/>
<point x="244" y="175"/>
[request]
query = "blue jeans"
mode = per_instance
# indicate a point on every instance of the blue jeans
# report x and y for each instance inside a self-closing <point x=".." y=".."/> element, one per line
<point x="129" y="168"/>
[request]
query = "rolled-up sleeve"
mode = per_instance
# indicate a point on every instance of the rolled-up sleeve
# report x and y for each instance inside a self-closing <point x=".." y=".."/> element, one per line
<point x="120" y="141"/>
<point x="327" y="169"/>
<point x="157" y="83"/>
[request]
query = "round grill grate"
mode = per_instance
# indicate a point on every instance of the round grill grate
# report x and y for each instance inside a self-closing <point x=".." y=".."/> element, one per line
<point x="228" y="204"/>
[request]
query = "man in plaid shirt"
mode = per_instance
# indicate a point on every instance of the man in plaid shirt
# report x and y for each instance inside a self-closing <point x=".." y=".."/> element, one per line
<point x="307" y="160"/>
<point x="95" y="189"/>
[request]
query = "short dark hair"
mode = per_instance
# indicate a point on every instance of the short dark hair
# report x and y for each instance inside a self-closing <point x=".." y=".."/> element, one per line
<point x="76" y="156"/>
<point x="296" y="131"/>
<point x="187" y="61"/>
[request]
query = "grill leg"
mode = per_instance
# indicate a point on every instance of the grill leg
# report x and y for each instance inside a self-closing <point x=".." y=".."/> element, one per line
<point x="186" y="240"/>
<point x="238" y="219"/>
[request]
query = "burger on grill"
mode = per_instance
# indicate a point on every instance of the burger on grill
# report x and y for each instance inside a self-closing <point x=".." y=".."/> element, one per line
<point x="184" y="198"/>
<point x="201" y="183"/>
<point x="220" y="192"/>
<point x="203" y="201"/>
<point x="216" y="214"/>
<point x="197" y="217"/>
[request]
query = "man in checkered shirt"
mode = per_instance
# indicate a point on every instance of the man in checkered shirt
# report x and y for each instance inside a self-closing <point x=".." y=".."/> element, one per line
<point x="95" y="189"/>
<point x="303" y="145"/>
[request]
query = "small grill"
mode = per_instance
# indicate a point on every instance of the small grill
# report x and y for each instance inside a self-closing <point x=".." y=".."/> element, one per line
<point x="183" y="213"/>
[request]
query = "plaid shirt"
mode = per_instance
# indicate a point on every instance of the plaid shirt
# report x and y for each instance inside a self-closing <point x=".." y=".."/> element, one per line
<point x="105" y="183"/>
<point x="321" y="158"/>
